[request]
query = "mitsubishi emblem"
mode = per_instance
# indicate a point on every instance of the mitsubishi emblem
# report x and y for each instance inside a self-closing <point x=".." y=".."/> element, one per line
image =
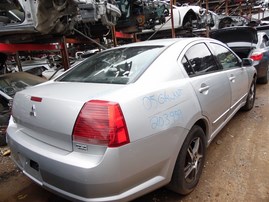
<point x="33" y="111"/>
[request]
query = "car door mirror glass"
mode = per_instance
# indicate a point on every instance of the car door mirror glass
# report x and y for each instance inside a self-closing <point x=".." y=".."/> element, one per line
<point x="247" y="62"/>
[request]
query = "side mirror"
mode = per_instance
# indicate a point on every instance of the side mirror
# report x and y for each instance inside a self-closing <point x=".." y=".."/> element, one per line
<point x="247" y="62"/>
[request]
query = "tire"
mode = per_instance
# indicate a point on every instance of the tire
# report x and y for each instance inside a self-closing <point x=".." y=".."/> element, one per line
<point x="3" y="140"/>
<point x="188" y="168"/>
<point x="251" y="97"/>
<point x="263" y="80"/>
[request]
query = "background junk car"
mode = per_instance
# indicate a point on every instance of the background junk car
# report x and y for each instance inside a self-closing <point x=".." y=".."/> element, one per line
<point x="9" y="85"/>
<point x="4" y="116"/>
<point x="247" y="42"/>
<point x="139" y="117"/>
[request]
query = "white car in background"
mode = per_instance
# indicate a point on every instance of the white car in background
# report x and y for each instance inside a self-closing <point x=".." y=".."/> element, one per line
<point x="188" y="17"/>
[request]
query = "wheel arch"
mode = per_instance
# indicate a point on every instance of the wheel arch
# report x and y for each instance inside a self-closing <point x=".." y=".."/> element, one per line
<point x="255" y="76"/>
<point x="204" y="125"/>
<point x="202" y="121"/>
<point x="190" y="15"/>
<point x="174" y="184"/>
<point x="224" y="22"/>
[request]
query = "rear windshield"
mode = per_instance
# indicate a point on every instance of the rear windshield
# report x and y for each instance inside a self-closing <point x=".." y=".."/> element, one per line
<point x="118" y="66"/>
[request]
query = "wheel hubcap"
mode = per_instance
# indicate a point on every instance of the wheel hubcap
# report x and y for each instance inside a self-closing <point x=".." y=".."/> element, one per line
<point x="193" y="160"/>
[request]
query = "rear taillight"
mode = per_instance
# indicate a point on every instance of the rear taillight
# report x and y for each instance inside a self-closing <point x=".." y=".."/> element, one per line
<point x="102" y="123"/>
<point x="256" y="56"/>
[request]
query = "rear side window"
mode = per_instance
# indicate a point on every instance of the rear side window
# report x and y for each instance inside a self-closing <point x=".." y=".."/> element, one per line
<point x="199" y="60"/>
<point x="226" y="58"/>
<point x="117" y="66"/>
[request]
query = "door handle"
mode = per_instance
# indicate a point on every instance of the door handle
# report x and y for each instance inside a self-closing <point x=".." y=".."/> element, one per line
<point x="232" y="78"/>
<point x="203" y="89"/>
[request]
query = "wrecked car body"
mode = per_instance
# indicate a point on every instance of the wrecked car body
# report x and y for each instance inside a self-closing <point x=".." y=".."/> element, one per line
<point x="215" y="21"/>
<point x="36" y="20"/>
<point x="52" y="17"/>
<point x="192" y="19"/>
<point x="140" y="15"/>
<point x="33" y="21"/>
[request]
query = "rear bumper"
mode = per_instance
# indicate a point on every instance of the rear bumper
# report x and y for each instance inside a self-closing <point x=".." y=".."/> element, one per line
<point x="120" y="174"/>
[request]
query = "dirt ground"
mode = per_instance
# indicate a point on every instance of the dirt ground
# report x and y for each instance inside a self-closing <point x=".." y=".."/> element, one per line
<point x="236" y="169"/>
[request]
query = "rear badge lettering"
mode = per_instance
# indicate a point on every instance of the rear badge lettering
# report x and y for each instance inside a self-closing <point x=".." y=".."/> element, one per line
<point x="82" y="147"/>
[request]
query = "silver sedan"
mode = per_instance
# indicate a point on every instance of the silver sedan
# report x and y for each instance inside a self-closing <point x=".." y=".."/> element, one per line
<point x="131" y="119"/>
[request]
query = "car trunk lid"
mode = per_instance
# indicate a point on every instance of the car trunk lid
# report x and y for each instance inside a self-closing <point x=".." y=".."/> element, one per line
<point x="231" y="35"/>
<point x="48" y="113"/>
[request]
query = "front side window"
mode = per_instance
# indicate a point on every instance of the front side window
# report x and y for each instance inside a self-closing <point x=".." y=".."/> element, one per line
<point x="199" y="60"/>
<point x="118" y="66"/>
<point x="226" y="58"/>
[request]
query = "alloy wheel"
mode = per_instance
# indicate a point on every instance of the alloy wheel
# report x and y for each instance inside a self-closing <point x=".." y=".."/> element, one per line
<point x="193" y="160"/>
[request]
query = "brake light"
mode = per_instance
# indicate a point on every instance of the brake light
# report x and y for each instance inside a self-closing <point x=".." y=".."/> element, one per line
<point x="36" y="99"/>
<point x="102" y="123"/>
<point x="257" y="56"/>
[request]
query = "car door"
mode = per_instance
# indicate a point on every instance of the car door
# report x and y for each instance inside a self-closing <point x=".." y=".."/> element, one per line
<point x="236" y="74"/>
<point x="210" y="83"/>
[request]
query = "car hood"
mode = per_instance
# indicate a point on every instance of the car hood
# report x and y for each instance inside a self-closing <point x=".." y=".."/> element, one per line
<point x="235" y="34"/>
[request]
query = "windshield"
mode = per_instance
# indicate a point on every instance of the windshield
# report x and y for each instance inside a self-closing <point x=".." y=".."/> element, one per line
<point x="118" y="66"/>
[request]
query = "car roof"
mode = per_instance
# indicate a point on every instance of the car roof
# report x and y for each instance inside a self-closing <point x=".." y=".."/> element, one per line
<point x="163" y="42"/>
